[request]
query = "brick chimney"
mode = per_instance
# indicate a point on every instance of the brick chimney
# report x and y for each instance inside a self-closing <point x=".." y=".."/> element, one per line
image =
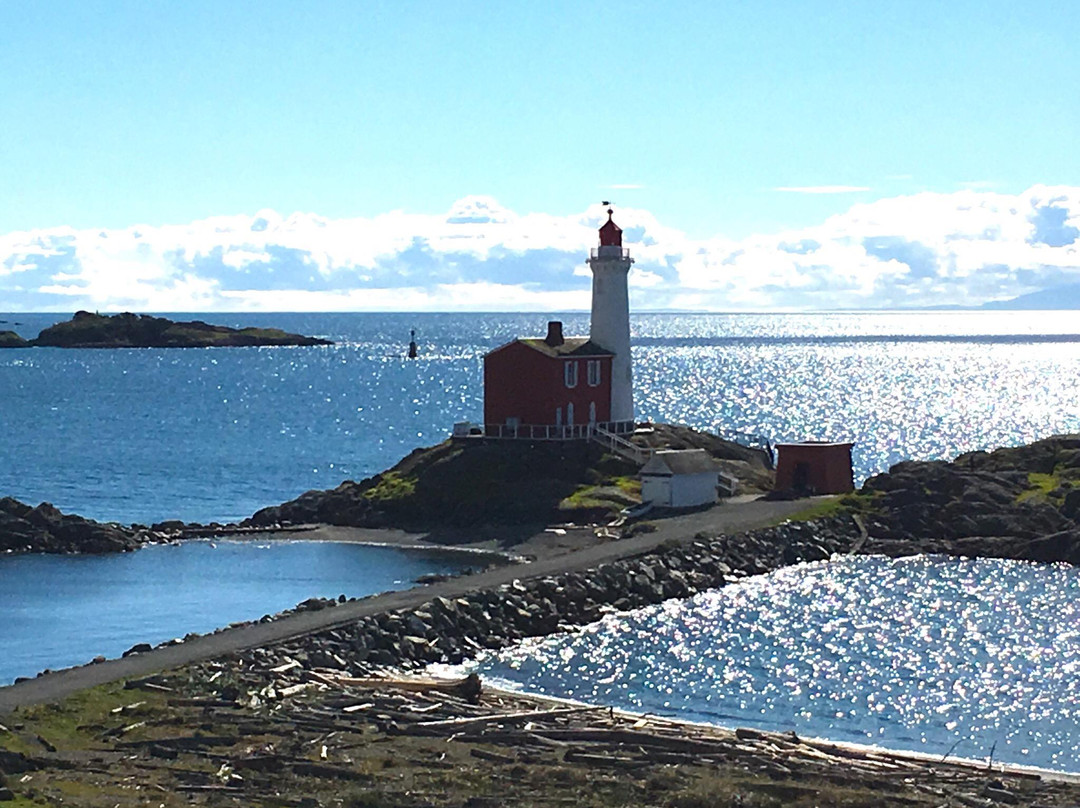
<point x="554" y="336"/>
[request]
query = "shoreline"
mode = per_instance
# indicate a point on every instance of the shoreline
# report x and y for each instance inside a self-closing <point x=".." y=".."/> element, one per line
<point x="231" y="678"/>
<point x="313" y="736"/>
<point x="392" y="538"/>
<point x="975" y="764"/>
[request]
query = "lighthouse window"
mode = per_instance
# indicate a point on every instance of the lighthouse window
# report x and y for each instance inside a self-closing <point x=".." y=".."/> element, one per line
<point x="593" y="372"/>
<point x="570" y="373"/>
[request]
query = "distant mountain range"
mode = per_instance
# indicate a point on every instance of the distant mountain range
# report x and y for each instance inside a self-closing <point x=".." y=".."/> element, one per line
<point x="1066" y="296"/>
<point x="1057" y="297"/>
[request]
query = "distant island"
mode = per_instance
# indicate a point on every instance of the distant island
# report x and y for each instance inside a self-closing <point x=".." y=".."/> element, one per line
<point x="1066" y="296"/>
<point x="86" y="330"/>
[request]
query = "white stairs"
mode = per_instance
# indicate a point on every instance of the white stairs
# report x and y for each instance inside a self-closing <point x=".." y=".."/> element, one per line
<point x="621" y="446"/>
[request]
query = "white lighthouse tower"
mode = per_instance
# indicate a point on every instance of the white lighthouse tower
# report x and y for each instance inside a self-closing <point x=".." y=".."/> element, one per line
<point x="610" y="265"/>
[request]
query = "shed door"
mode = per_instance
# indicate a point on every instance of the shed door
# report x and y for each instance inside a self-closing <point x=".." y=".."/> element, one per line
<point x="800" y="480"/>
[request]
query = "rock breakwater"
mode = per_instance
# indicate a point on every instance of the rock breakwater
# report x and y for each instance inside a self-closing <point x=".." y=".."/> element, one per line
<point x="451" y="630"/>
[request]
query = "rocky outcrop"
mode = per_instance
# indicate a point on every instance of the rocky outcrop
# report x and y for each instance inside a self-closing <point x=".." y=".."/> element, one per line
<point x="458" y="485"/>
<point x="473" y="484"/>
<point x="452" y="630"/>
<point x="44" y="529"/>
<point x="9" y="339"/>
<point x="86" y="330"/>
<point x="1020" y="502"/>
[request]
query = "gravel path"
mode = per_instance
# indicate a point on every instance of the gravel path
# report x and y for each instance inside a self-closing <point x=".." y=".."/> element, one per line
<point x="730" y="517"/>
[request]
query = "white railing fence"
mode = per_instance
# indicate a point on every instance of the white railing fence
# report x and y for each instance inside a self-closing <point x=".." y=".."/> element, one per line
<point x="621" y="446"/>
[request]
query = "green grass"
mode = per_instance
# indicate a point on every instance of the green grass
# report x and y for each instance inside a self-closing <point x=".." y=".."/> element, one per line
<point x="81" y="717"/>
<point x="1040" y="488"/>
<point x="855" y="502"/>
<point x="392" y="486"/>
<point x="77" y="723"/>
<point x="583" y="497"/>
<point x="22" y="801"/>
<point x="613" y="493"/>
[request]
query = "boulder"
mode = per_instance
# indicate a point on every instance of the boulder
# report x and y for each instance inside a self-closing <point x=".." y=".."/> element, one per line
<point x="1061" y="546"/>
<point x="1070" y="507"/>
<point x="45" y="515"/>
<point x="13" y="507"/>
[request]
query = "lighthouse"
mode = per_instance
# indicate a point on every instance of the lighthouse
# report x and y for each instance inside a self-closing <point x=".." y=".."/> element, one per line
<point x="610" y="326"/>
<point x="569" y="388"/>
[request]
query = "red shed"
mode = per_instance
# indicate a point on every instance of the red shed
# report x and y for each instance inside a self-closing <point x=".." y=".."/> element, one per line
<point x="553" y="383"/>
<point x="817" y="466"/>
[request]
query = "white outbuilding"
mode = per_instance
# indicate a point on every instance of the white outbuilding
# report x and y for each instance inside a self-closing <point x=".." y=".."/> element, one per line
<point x="680" y="478"/>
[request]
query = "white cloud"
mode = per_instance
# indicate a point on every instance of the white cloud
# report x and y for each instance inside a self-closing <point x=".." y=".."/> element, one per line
<point x="924" y="249"/>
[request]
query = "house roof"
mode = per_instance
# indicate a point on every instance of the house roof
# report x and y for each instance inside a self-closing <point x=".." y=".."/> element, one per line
<point x="571" y="346"/>
<point x="670" y="462"/>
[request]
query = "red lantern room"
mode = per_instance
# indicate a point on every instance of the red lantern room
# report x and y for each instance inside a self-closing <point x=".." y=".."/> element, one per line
<point x="610" y="233"/>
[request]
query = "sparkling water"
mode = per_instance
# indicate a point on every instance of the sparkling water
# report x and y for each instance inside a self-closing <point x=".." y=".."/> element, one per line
<point x="215" y="434"/>
<point x="935" y="655"/>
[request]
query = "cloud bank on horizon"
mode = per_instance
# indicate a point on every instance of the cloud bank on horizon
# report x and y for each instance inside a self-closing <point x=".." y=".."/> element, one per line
<point x="928" y="249"/>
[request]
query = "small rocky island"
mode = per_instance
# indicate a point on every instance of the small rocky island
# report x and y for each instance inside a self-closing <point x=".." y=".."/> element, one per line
<point x="86" y="330"/>
<point x="44" y="529"/>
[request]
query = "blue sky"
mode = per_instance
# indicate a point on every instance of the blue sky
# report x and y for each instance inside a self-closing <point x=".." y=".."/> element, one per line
<point x="118" y="114"/>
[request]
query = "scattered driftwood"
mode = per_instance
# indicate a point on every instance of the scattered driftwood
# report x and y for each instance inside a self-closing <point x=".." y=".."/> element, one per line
<point x="494" y="757"/>
<point x="244" y="727"/>
<point x="468" y="688"/>
<point x="472" y="722"/>
<point x="176" y="702"/>
<point x="318" y="717"/>
<point x="217" y="789"/>
<point x="326" y="771"/>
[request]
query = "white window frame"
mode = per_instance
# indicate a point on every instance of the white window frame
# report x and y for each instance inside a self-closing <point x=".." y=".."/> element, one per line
<point x="570" y="373"/>
<point x="592" y="369"/>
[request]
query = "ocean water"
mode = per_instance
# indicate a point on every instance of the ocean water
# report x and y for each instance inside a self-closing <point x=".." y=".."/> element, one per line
<point x="58" y="611"/>
<point x="918" y="654"/>
<point x="216" y="434"/>
<point x="940" y="656"/>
